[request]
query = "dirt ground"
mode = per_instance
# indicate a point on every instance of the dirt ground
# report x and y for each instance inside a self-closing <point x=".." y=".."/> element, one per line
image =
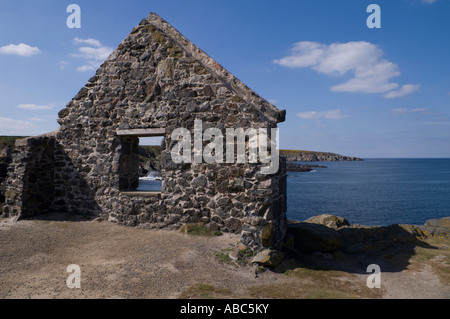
<point x="123" y="262"/>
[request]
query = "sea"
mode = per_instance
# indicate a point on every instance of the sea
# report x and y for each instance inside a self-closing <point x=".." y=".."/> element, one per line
<point x="151" y="182"/>
<point x="373" y="192"/>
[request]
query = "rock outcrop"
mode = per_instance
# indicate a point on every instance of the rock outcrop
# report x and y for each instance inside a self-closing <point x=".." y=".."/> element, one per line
<point x="328" y="233"/>
<point x="328" y="220"/>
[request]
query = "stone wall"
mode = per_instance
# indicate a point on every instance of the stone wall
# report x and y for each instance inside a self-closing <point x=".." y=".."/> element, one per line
<point x="29" y="188"/>
<point x="154" y="79"/>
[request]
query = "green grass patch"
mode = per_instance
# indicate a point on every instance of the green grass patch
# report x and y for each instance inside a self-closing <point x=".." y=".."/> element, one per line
<point x="199" y="229"/>
<point x="223" y="256"/>
<point x="437" y="255"/>
<point x="10" y="140"/>
<point x="241" y="258"/>
<point x="313" y="274"/>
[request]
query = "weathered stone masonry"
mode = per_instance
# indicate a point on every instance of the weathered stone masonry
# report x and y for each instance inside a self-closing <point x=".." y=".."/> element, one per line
<point x="155" y="79"/>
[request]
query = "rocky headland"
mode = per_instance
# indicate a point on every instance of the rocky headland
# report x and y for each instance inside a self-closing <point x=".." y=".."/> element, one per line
<point x="312" y="156"/>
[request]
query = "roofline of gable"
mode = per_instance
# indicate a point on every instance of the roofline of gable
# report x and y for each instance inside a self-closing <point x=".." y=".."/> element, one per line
<point x="270" y="112"/>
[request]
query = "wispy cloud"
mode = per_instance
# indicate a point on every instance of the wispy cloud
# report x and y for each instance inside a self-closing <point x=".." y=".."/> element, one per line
<point x="94" y="54"/>
<point x="326" y="115"/>
<point x="404" y="90"/>
<point x="20" y="49"/>
<point x="399" y="110"/>
<point x="429" y="1"/>
<point x="370" y="73"/>
<point x="34" y="107"/>
<point x="63" y="64"/>
<point x="418" y="109"/>
<point x="89" y="66"/>
<point x="437" y="123"/>
<point x="36" y="119"/>
<point x="9" y="126"/>
<point x="404" y="110"/>
<point x="93" y="42"/>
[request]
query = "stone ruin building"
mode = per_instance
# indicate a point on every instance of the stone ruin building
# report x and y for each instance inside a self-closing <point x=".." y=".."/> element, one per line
<point x="155" y="81"/>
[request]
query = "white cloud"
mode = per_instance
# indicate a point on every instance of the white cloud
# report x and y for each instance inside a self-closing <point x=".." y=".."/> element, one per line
<point x="429" y="1"/>
<point x="93" y="42"/>
<point x="327" y="115"/>
<point x="404" y="90"/>
<point x="95" y="54"/>
<point x="34" y="107"/>
<point x="90" y="66"/>
<point x="21" y="49"/>
<point x="362" y="60"/>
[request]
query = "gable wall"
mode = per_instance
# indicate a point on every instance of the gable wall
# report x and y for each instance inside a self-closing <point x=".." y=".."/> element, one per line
<point x="150" y="81"/>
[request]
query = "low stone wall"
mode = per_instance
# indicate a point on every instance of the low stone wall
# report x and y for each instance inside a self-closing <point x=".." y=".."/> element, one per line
<point x="43" y="178"/>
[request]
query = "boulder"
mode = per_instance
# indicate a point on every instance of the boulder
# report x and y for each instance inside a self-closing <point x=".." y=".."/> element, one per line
<point x="328" y="220"/>
<point x="269" y="257"/>
<point x="309" y="237"/>
<point x="267" y="235"/>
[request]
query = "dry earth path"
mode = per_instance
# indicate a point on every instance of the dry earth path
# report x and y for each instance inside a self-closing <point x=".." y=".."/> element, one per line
<point x="124" y="262"/>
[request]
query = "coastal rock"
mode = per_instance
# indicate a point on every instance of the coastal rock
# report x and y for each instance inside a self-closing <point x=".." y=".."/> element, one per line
<point x="309" y="237"/>
<point x="437" y="227"/>
<point x="328" y="233"/>
<point x="295" y="167"/>
<point x="442" y="223"/>
<point x="328" y="220"/>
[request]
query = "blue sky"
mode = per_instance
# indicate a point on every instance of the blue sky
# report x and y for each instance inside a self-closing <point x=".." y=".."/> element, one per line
<point x="346" y="88"/>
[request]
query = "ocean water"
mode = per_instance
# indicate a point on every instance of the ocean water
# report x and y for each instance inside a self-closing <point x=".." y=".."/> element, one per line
<point x="373" y="191"/>
<point x="151" y="182"/>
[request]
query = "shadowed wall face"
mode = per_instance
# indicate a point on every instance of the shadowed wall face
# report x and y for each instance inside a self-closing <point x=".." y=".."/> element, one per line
<point x="129" y="164"/>
<point x="30" y="188"/>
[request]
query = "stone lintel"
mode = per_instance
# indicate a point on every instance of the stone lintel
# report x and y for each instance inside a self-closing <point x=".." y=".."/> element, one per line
<point x="143" y="132"/>
<point x="142" y="193"/>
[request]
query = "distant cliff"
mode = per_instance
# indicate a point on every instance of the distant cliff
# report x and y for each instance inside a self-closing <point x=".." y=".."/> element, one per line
<point x="311" y="156"/>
